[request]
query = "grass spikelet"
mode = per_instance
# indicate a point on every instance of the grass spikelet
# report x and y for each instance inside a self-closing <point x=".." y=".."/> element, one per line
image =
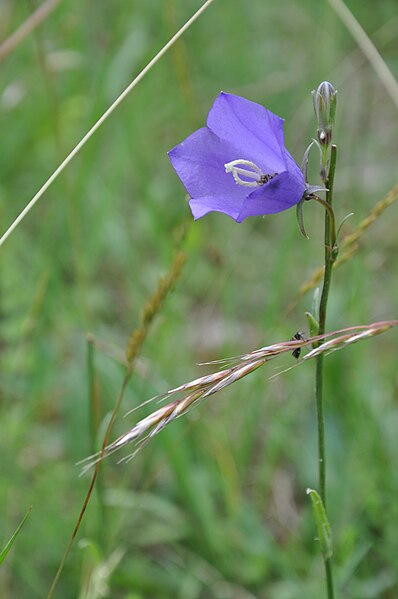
<point x="201" y="388"/>
<point x="153" y="306"/>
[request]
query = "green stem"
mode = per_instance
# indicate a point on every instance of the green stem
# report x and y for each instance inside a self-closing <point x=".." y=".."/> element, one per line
<point x="94" y="421"/>
<point x="330" y="257"/>
<point x="329" y="577"/>
<point x="332" y="220"/>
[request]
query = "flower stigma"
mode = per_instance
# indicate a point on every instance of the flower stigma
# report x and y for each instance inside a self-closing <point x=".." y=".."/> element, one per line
<point x="256" y="174"/>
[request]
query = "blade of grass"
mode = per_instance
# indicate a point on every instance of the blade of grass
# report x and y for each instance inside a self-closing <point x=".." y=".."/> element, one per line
<point x="101" y="120"/>
<point x="10" y="542"/>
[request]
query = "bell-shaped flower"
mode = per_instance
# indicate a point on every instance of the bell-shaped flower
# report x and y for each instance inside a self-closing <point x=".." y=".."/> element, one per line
<point x="238" y="163"/>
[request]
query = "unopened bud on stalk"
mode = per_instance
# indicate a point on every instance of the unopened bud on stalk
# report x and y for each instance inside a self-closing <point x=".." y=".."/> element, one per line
<point x="324" y="98"/>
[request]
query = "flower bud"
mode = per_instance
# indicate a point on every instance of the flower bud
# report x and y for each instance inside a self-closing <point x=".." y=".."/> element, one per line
<point x="324" y="99"/>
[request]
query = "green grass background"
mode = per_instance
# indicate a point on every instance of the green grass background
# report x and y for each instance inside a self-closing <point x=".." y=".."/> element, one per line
<point x="215" y="506"/>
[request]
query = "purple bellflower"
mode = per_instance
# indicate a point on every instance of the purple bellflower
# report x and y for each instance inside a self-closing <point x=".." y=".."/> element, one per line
<point x="238" y="163"/>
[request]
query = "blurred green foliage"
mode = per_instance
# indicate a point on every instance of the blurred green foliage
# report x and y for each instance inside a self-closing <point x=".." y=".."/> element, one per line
<point x="215" y="506"/>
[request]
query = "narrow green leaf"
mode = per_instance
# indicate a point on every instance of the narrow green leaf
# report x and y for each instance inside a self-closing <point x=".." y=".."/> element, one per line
<point x="10" y="542"/>
<point x="316" y="300"/>
<point x="322" y="523"/>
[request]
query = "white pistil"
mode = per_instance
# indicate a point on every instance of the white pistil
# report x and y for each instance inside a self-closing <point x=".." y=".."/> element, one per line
<point x="256" y="174"/>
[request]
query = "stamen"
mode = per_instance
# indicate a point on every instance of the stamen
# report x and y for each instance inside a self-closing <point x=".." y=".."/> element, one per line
<point x="259" y="178"/>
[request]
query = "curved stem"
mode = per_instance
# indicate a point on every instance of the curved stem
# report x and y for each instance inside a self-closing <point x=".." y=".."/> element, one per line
<point x="330" y="257"/>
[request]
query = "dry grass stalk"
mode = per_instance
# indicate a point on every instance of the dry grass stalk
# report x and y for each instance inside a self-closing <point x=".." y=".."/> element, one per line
<point x="190" y="393"/>
<point x="34" y="20"/>
<point x="151" y="308"/>
<point x="374" y="57"/>
<point x="349" y="245"/>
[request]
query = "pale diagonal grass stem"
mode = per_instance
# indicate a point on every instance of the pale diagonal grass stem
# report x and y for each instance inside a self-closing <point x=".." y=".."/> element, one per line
<point x="368" y="48"/>
<point x="101" y="120"/>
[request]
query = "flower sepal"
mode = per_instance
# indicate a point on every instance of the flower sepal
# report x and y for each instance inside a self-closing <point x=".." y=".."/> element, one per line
<point x="311" y="190"/>
<point x="300" y="217"/>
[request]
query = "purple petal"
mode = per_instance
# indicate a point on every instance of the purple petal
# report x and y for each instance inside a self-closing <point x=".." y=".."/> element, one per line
<point x="202" y="206"/>
<point x="199" y="162"/>
<point x="281" y="193"/>
<point x="254" y="130"/>
<point x="294" y="168"/>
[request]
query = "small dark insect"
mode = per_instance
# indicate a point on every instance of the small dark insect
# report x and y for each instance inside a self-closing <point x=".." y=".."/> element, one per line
<point x="266" y="178"/>
<point x="299" y="336"/>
